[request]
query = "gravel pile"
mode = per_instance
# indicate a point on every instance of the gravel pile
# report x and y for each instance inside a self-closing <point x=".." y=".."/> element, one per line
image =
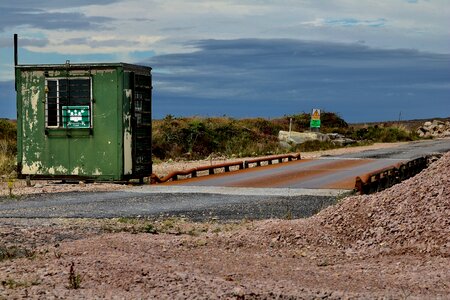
<point x="436" y="128"/>
<point x="411" y="217"/>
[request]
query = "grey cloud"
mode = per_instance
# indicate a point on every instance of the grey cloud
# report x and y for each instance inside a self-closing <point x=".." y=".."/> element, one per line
<point x="96" y="44"/>
<point x="274" y="77"/>
<point x="178" y="28"/>
<point x="142" y="20"/>
<point x="8" y="42"/>
<point x="46" y="20"/>
<point x="55" y="4"/>
<point x="249" y="77"/>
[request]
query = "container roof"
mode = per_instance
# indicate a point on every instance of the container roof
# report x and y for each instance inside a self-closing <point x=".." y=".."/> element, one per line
<point x="85" y="66"/>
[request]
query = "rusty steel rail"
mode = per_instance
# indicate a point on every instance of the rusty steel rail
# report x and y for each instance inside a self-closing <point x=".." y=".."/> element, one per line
<point x="269" y="160"/>
<point x="384" y="178"/>
<point x="225" y="166"/>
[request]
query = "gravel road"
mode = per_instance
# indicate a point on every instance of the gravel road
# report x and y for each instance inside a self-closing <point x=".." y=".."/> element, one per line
<point x="195" y="202"/>
<point x="407" y="151"/>
<point x="138" y="202"/>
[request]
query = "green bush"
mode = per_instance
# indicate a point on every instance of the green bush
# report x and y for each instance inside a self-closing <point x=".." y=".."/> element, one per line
<point x="384" y="134"/>
<point x="7" y="164"/>
<point x="330" y="122"/>
<point x="8" y="147"/>
<point x="314" y="145"/>
<point x="196" y="138"/>
<point x="8" y="130"/>
<point x="8" y="136"/>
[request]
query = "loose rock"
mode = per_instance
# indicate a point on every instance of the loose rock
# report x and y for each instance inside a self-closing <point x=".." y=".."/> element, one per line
<point x="438" y="129"/>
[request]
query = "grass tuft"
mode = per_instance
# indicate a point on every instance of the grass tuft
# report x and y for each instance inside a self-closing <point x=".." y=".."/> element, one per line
<point x="75" y="279"/>
<point x="15" y="252"/>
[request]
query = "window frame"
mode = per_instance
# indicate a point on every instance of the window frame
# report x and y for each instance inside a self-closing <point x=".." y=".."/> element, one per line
<point x="59" y="123"/>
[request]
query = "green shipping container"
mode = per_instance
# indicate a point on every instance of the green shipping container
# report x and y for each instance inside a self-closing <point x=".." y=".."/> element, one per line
<point x="84" y="121"/>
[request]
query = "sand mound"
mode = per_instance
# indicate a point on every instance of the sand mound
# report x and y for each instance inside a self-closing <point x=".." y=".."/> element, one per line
<point x="411" y="217"/>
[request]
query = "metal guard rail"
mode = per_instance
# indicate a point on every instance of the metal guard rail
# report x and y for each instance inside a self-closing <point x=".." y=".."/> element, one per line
<point x="384" y="178"/>
<point x="241" y="164"/>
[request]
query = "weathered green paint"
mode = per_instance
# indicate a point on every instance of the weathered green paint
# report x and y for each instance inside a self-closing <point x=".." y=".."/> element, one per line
<point x="102" y="152"/>
<point x="126" y="119"/>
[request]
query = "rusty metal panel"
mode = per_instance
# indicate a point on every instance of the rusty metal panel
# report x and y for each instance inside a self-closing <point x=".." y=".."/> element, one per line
<point x="137" y="122"/>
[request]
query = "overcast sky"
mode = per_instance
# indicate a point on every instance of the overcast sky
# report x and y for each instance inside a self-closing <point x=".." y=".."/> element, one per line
<point x="367" y="60"/>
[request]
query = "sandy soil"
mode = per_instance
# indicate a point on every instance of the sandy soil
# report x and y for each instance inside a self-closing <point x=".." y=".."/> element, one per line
<point x="390" y="245"/>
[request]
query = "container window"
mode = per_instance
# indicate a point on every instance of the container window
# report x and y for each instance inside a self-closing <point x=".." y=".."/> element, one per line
<point x="68" y="103"/>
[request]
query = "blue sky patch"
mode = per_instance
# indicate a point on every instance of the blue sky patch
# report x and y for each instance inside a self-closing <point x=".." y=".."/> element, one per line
<point x="348" y="22"/>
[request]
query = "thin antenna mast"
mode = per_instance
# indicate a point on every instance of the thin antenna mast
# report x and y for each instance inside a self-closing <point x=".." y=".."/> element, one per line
<point x="16" y="57"/>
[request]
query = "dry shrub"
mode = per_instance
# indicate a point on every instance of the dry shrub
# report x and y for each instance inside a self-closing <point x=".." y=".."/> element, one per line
<point x="197" y="138"/>
<point x="8" y="147"/>
<point x="7" y="164"/>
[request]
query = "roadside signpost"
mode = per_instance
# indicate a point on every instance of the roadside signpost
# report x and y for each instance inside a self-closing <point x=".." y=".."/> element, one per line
<point x="315" y="120"/>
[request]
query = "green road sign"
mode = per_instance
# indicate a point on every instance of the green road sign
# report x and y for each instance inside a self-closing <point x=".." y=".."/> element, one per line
<point x="315" y="118"/>
<point x="314" y="124"/>
<point x="76" y="117"/>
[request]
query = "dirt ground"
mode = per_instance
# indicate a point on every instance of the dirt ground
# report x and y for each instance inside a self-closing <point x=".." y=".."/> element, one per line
<point x="391" y="245"/>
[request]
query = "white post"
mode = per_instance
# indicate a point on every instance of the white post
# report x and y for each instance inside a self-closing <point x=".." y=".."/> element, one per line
<point x="290" y="127"/>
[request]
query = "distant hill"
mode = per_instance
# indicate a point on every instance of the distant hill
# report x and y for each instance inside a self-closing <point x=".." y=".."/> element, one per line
<point x="409" y="124"/>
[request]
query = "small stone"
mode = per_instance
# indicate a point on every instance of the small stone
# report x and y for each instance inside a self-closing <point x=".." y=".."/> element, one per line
<point x="276" y="239"/>
<point x="238" y="292"/>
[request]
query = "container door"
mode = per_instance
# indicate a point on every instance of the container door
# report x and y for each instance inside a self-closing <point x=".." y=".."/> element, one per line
<point x="142" y="125"/>
<point x="80" y="143"/>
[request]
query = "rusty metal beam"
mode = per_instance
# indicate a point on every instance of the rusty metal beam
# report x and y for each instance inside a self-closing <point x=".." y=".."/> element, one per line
<point x="384" y="178"/>
<point x="193" y="172"/>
